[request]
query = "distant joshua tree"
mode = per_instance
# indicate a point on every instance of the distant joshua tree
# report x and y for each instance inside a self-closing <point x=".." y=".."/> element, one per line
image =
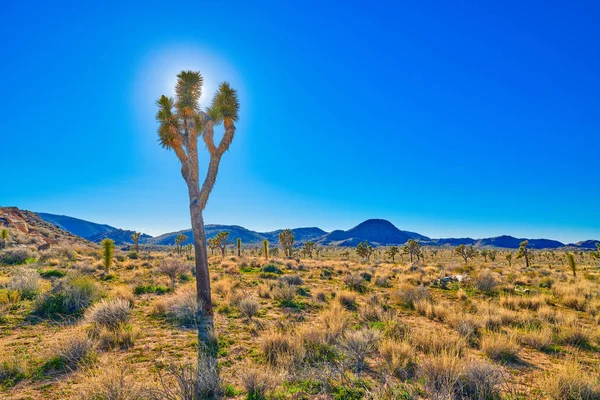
<point x="179" y="241"/>
<point x="465" y="252"/>
<point x="492" y="255"/>
<point x="572" y="264"/>
<point x="364" y="250"/>
<point x="596" y="254"/>
<point x="135" y="236"/>
<point x="4" y="238"/>
<point x="308" y="248"/>
<point x="108" y="251"/>
<point x="524" y="252"/>
<point x="220" y="241"/>
<point x="391" y="252"/>
<point x="181" y="123"/>
<point x="239" y="247"/>
<point x="509" y="259"/>
<point x="266" y="249"/>
<point x="413" y="248"/>
<point x="484" y="253"/>
<point x="286" y="239"/>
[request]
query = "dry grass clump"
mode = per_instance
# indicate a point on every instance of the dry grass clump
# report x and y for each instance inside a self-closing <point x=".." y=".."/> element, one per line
<point x="399" y="357"/>
<point x="467" y="326"/>
<point x="112" y="382"/>
<point x="499" y="347"/>
<point x="190" y="380"/>
<point x="440" y="343"/>
<point x="358" y="345"/>
<point x="280" y="350"/>
<point x="522" y="302"/>
<point x="257" y="382"/>
<point x="248" y="307"/>
<point x="408" y="295"/>
<point x="110" y="314"/>
<point x="347" y="300"/>
<point x="576" y="336"/>
<point x="124" y="293"/>
<point x="26" y="281"/>
<point x="539" y="339"/>
<point x="335" y="321"/>
<point x="440" y="374"/>
<point x="486" y="282"/>
<point x="480" y="380"/>
<point x="284" y="293"/>
<point x="182" y="307"/>
<point x="570" y="382"/>
<point x="76" y="351"/>
<point x="355" y="282"/>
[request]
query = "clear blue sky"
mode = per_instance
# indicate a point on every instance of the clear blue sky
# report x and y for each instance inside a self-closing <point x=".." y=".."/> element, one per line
<point x="446" y="118"/>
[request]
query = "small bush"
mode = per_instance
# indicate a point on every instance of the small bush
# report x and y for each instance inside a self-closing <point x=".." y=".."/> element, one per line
<point x="284" y="294"/>
<point x="400" y="358"/>
<point x="52" y="273"/>
<point x="145" y="289"/>
<point x="485" y="282"/>
<point x="408" y="295"/>
<point x="26" y="281"/>
<point x="480" y="380"/>
<point x="75" y="352"/>
<point x="11" y="371"/>
<point x="69" y="296"/>
<point x="347" y="300"/>
<point x="15" y="257"/>
<point x="110" y="314"/>
<point x="257" y="382"/>
<point x="272" y="268"/>
<point x="571" y="383"/>
<point x="441" y="375"/>
<point x="183" y="308"/>
<point x="294" y="280"/>
<point x="248" y="307"/>
<point x="499" y="347"/>
<point x="357" y="345"/>
<point x="355" y="282"/>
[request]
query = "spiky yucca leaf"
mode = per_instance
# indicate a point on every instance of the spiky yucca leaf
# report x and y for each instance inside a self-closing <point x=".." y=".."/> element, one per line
<point x="225" y="104"/>
<point x="188" y="91"/>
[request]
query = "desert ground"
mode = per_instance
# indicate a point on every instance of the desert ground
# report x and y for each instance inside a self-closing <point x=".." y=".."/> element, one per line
<point x="333" y="326"/>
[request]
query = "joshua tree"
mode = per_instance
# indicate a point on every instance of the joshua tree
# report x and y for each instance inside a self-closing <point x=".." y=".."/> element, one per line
<point x="364" y="250"/>
<point x="484" y="253"/>
<point x="179" y="241"/>
<point x="465" y="252"/>
<point x="308" y="248"/>
<point x="108" y="251"/>
<point x="221" y="241"/>
<point x="391" y="252"/>
<point x="173" y="267"/>
<point x="266" y="249"/>
<point x="596" y="254"/>
<point x="181" y="123"/>
<point x="286" y="239"/>
<point x="572" y="264"/>
<point x="4" y="238"/>
<point x="509" y="259"/>
<point x="135" y="236"/>
<point x="413" y="248"/>
<point x="239" y="247"/>
<point x="524" y="252"/>
<point x="492" y="255"/>
<point x="274" y="252"/>
<point x="189" y="248"/>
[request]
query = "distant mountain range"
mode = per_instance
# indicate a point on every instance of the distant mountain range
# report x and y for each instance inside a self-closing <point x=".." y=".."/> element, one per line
<point x="378" y="232"/>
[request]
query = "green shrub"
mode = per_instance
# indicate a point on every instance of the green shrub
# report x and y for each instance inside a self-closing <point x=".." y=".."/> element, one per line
<point x="144" y="289"/>
<point x="69" y="296"/>
<point x="273" y="268"/>
<point x="52" y="273"/>
<point x="26" y="281"/>
<point x="15" y="257"/>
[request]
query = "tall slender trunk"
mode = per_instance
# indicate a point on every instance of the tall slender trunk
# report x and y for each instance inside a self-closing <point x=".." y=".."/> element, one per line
<point x="205" y="320"/>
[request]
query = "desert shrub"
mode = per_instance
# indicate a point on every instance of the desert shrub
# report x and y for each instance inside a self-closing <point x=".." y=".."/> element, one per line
<point x="335" y="322"/>
<point x="294" y="280"/>
<point x="15" y="256"/>
<point x="357" y="345"/>
<point x="272" y="268"/>
<point x="347" y="300"/>
<point x="575" y="302"/>
<point x="110" y="314"/>
<point x="69" y="296"/>
<point x="52" y="273"/>
<point x="182" y="308"/>
<point x="248" y="307"/>
<point x="395" y="329"/>
<point x="450" y="344"/>
<point x="123" y="337"/>
<point x="76" y="351"/>
<point x="173" y="268"/>
<point x="284" y="294"/>
<point x="12" y="370"/>
<point x="382" y="281"/>
<point x="467" y="326"/>
<point x="320" y="296"/>
<point x="190" y="381"/>
<point x="355" y="282"/>
<point x="540" y="339"/>
<point x="499" y="347"/>
<point x="124" y="293"/>
<point x="480" y="380"/>
<point x="440" y="374"/>
<point x="575" y="335"/>
<point x="571" y="383"/>
<point x="279" y="349"/>
<point x="144" y="289"/>
<point x="408" y="295"/>
<point x="26" y="281"/>
<point x="485" y="282"/>
<point x="257" y="382"/>
<point x="399" y="357"/>
<point x="112" y="382"/>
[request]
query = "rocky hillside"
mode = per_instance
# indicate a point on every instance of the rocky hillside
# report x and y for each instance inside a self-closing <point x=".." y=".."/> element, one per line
<point x="26" y="227"/>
